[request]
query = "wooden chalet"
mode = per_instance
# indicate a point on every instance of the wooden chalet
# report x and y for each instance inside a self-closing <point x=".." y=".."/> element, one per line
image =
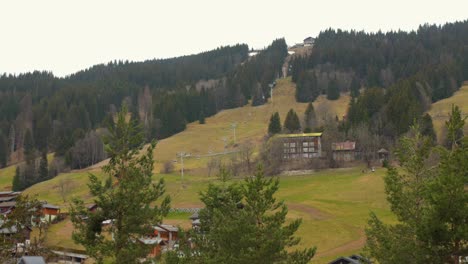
<point x="301" y="146"/>
<point x="344" y="151"/>
<point x="50" y="212"/>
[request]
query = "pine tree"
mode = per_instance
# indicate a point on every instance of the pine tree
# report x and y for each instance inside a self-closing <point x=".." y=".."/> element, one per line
<point x="455" y="126"/>
<point x="3" y="150"/>
<point x="429" y="201"/>
<point x="274" y="127"/>
<point x="246" y="224"/>
<point x="130" y="203"/>
<point x="310" y="119"/>
<point x="354" y="88"/>
<point x="201" y="118"/>
<point x="28" y="148"/>
<point x="43" y="167"/>
<point x="291" y="123"/>
<point x="17" y="184"/>
<point x="427" y="127"/>
<point x="333" y="91"/>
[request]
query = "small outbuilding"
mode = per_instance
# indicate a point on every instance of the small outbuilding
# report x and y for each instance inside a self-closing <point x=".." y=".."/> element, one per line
<point x="353" y="259"/>
<point x="32" y="260"/>
<point x="383" y="154"/>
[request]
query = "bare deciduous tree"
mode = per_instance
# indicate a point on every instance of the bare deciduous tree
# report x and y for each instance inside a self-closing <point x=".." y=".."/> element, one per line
<point x="65" y="185"/>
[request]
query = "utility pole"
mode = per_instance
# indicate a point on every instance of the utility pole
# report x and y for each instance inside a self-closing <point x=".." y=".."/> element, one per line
<point x="233" y="126"/>
<point x="182" y="155"/>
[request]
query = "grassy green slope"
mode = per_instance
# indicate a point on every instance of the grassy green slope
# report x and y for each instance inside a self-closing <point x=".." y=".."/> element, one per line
<point x="439" y="110"/>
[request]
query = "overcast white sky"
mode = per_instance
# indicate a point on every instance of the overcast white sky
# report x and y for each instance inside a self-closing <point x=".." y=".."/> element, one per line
<point x="65" y="36"/>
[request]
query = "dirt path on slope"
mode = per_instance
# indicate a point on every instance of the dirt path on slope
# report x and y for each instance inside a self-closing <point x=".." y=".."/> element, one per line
<point x="311" y="211"/>
<point x="346" y="247"/>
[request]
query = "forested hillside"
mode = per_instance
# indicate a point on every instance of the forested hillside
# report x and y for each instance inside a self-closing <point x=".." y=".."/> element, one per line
<point x="41" y="113"/>
<point x="402" y="73"/>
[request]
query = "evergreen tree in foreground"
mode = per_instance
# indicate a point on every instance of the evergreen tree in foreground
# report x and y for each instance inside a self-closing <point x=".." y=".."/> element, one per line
<point x="130" y="202"/>
<point x="244" y="223"/>
<point x="430" y="202"/>
<point x="274" y="127"/>
<point x="291" y="123"/>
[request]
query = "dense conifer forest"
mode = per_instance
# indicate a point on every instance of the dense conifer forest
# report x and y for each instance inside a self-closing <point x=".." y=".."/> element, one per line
<point x="393" y="77"/>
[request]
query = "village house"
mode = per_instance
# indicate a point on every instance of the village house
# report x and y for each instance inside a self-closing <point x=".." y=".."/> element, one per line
<point x="301" y="146"/>
<point x="163" y="238"/>
<point x="50" y="212"/>
<point x="344" y="151"/>
<point x="309" y="41"/>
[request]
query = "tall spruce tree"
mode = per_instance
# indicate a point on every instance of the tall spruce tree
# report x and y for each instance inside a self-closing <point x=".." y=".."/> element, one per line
<point x="274" y="127"/>
<point x="291" y="123"/>
<point x="310" y="119"/>
<point x="333" y="91"/>
<point x="246" y="224"/>
<point x="427" y="127"/>
<point x="354" y="87"/>
<point x="43" y="167"/>
<point x="3" y="150"/>
<point x="130" y="202"/>
<point x="430" y="203"/>
<point x="28" y="148"/>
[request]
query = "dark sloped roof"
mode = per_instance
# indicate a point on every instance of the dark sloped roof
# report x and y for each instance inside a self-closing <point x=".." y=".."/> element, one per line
<point x="32" y="260"/>
<point x="347" y="145"/>
<point x="194" y="216"/>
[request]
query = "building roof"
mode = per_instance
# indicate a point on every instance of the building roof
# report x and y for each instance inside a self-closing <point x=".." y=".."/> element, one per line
<point x="353" y="259"/>
<point x="166" y="228"/>
<point x="32" y="260"/>
<point x="347" y="145"/>
<point x="7" y="192"/>
<point x="309" y="39"/>
<point x="7" y="198"/>
<point x="382" y="150"/>
<point x="299" y="135"/>
<point x="151" y="240"/>
<point x="50" y="206"/>
<point x="196" y="222"/>
<point x="194" y="216"/>
<point x="8" y="204"/>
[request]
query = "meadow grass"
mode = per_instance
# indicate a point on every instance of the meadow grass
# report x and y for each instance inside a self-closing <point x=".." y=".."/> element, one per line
<point x="440" y="110"/>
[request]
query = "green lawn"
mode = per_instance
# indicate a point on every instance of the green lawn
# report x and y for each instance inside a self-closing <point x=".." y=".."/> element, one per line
<point x="334" y="205"/>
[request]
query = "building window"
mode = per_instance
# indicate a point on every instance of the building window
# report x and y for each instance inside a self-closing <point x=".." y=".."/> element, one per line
<point x="305" y="144"/>
<point x="292" y="150"/>
<point x="292" y="144"/>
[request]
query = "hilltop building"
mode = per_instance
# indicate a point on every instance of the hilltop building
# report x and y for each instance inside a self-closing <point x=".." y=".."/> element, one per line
<point x="309" y="41"/>
<point x="301" y="146"/>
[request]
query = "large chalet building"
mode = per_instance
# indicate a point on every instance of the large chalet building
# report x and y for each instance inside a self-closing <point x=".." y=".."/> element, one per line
<point x="301" y="146"/>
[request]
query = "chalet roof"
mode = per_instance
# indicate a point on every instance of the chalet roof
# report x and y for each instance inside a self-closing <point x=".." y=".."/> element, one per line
<point x="50" y="206"/>
<point x="32" y="260"/>
<point x="353" y="259"/>
<point x="7" y="199"/>
<point x="382" y="150"/>
<point x="91" y="206"/>
<point x="347" y="145"/>
<point x="151" y="240"/>
<point x="299" y="135"/>
<point x="194" y="216"/>
<point x="8" y="204"/>
<point x="196" y="222"/>
<point x="166" y="228"/>
<point x="6" y="192"/>
<point x="308" y="39"/>
<point x="9" y="230"/>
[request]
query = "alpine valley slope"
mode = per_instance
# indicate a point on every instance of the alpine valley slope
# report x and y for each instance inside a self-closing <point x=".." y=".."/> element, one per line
<point x="334" y="204"/>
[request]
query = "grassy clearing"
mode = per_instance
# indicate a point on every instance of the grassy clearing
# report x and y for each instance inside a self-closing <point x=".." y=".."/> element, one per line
<point x="334" y="206"/>
<point x="440" y="110"/>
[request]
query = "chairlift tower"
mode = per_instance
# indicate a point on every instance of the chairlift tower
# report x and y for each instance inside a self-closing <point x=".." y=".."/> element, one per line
<point x="233" y="127"/>
<point x="182" y="155"/>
